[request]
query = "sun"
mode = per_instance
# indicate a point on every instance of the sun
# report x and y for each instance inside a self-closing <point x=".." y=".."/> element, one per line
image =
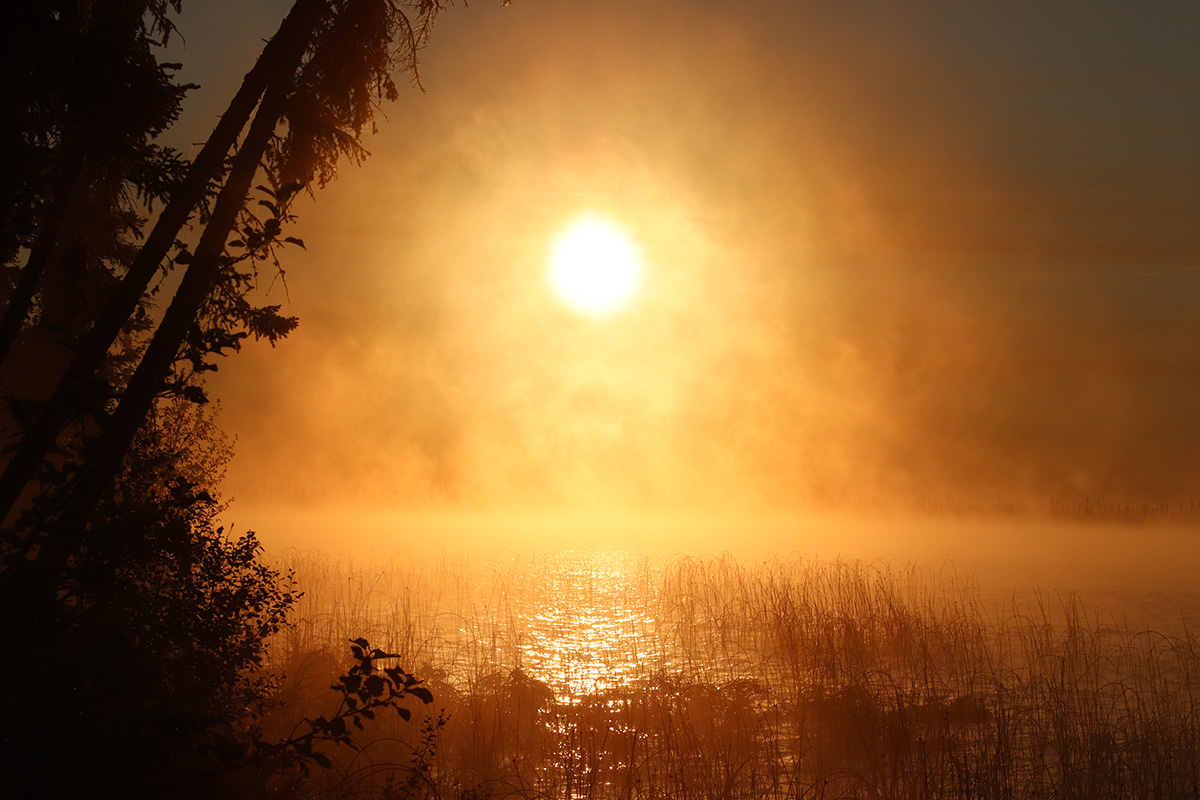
<point x="595" y="267"/>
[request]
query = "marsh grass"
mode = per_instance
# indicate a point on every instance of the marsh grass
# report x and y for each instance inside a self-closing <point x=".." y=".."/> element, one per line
<point x="785" y="679"/>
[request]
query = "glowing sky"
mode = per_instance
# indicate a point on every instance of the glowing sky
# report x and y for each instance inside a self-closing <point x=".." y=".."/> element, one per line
<point x="900" y="253"/>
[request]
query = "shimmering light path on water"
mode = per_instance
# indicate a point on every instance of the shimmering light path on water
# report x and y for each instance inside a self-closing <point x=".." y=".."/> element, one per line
<point x="586" y="621"/>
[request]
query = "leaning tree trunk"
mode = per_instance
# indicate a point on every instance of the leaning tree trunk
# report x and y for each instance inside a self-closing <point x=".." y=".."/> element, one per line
<point x="104" y="458"/>
<point x="279" y="60"/>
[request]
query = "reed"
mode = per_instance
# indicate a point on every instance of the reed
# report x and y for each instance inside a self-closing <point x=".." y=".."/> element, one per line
<point x="785" y="679"/>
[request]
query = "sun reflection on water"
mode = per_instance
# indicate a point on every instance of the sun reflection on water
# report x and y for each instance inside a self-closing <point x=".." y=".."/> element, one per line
<point x="586" y="623"/>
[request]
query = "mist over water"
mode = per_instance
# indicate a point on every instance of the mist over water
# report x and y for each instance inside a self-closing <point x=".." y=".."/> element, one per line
<point x="1129" y="575"/>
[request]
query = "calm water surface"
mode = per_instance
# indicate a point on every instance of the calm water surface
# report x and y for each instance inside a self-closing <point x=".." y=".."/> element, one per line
<point x="578" y="606"/>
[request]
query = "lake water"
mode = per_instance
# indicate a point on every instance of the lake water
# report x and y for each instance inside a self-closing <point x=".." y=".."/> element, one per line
<point x="1147" y="574"/>
<point x="578" y="606"/>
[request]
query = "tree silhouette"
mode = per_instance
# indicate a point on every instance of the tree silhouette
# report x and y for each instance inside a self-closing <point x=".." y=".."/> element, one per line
<point x="131" y="625"/>
<point x="86" y="98"/>
<point x="321" y="77"/>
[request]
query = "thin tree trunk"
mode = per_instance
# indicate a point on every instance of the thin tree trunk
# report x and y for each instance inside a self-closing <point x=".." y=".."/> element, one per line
<point x="280" y="57"/>
<point x="49" y="240"/>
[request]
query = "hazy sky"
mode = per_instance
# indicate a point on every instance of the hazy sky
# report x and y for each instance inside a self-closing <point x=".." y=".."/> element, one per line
<point x="904" y="253"/>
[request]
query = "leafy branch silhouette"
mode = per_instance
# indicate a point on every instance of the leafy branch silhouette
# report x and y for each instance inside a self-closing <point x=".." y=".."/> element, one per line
<point x="364" y="689"/>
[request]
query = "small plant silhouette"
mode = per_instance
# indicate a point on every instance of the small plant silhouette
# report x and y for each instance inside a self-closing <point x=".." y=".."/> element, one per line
<point x="364" y="689"/>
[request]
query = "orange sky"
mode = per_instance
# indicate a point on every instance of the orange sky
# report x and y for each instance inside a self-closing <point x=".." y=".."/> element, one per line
<point x="912" y="256"/>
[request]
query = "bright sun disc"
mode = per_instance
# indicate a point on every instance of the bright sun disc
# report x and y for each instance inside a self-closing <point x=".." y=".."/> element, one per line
<point x="594" y="266"/>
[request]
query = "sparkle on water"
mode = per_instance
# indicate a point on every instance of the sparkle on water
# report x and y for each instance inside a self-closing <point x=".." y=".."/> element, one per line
<point x="586" y="623"/>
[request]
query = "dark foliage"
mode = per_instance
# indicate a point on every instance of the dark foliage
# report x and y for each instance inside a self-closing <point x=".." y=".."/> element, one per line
<point x="133" y="651"/>
<point x="84" y="98"/>
<point x="133" y="628"/>
<point x="365" y="690"/>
